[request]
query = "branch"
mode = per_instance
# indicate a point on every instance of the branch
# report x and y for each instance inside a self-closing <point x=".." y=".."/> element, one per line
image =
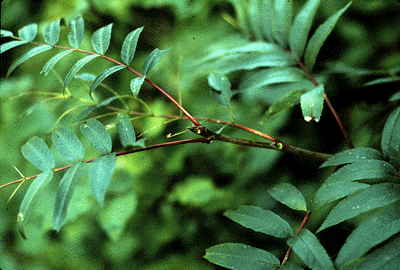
<point x="280" y="146"/>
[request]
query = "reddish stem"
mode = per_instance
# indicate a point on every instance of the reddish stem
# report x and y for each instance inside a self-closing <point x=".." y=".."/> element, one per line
<point x="337" y="118"/>
<point x="305" y="219"/>
<point x="202" y="140"/>
<point x="188" y="115"/>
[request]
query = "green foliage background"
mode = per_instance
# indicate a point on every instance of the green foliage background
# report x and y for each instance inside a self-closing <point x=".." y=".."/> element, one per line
<point x="164" y="207"/>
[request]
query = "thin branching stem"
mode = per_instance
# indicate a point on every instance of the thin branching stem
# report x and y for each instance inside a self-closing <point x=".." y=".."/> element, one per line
<point x="188" y="115"/>
<point x="337" y="118"/>
<point x="150" y="147"/>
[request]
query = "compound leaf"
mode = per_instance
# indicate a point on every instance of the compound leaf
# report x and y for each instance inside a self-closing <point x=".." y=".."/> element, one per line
<point x="28" y="32"/>
<point x="129" y="46"/>
<point x="391" y="138"/>
<point x="272" y="75"/>
<point x="386" y="257"/>
<point x="319" y="37"/>
<point x="340" y="184"/>
<point x="152" y="59"/>
<point x="363" y="201"/>
<point x="97" y="135"/>
<point x="289" y="195"/>
<point x="12" y="44"/>
<point x="260" y="220"/>
<point x="100" y="173"/>
<point x="53" y="61"/>
<point x="370" y="233"/>
<point x="33" y="191"/>
<point x="312" y="104"/>
<point x="300" y="29"/>
<point x="37" y="152"/>
<point x="52" y="32"/>
<point x="136" y="84"/>
<point x="310" y="250"/>
<point x="68" y="144"/>
<point x="282" y="21"/>
<point x="64" y="194"/>
<point x="221" y="88"/>
<point x="352" y="155"/>
<point x="31" y="53"/>
<point x="78" y="65"/>
<point x="125" y="129"/>
<point x="103" y="76"/>
<point x="101" y="39"/>
<point x="240" y="256"/>
<point x="75" y="36"/>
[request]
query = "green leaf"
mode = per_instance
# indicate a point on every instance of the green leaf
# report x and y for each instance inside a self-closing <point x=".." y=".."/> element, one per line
<point x="76" y="35"/>
<point x="386" y="257"/>
<point x="152" y="59"/>
<point x="64" y="194"/>
<point x="6" y="33"/>
<point x="391" y="138"/>
<point x="272" y="75"/>
<point x="221" y="88"/>
<point x="68" y="144"/>
<point x="100" y="173"/>
<point x="52" y="32"/>
<point x="340" y="184"/>
<point x="363" y="201"/>
<point x="254" y="16"/>
<point x="282" y="21"/>
<point x="37" y="152"/>
<point x="288" y="100"/>
<point x="129" y="46"/>
<point x="382" y="80"/>
<point x="28" y="32"/>
<point x="125" y="129"/>
<point x="300" y="29"/>
<point x="103" y="75"/>
<point x="310" y="250"/>
<point x="240" y="256"/>
<point x="267" y="12"/>
<point x="87" y="77"/>
<point x="373" y="231"/>
<point x="319" y="37"/>
<point x="33" y="191"/>
<point x="31" y="53"/>
<point x="289" y="195"/>
<point x="250" y="61"/>
<point x="101" y="39"/>
<point x="260" y="220"/>
<point x="352" y="155"/>
<point x="53" y="61"/>
<point x="12" y="44"/>
<point x="116" y="214"/>
<point x="97" y="135"/>
<point x="136" y="84"/>
<point x="76" y="68"/>
<point x="312" y="104"/>
<point x="291" y="266"/>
